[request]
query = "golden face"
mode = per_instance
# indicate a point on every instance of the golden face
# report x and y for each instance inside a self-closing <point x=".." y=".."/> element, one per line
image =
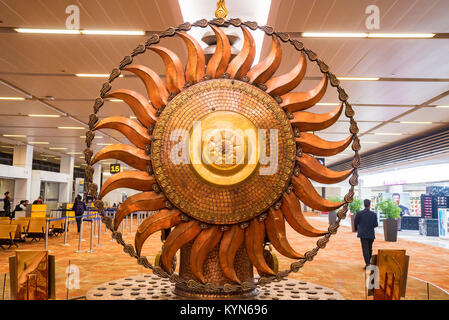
<point x="224" y="153"/>
<point x="223" y="148"/>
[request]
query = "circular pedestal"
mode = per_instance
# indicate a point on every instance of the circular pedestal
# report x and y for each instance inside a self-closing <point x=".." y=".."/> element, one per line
<point x="151" y="287"/>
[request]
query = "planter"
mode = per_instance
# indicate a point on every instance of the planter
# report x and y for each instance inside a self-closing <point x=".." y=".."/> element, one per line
<point x="332" y="216"/>
<point x="352" y="222"/>
<point x="390" y="230"/>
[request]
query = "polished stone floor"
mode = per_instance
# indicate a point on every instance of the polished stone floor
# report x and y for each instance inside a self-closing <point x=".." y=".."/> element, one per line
<point x="339" y="266"/>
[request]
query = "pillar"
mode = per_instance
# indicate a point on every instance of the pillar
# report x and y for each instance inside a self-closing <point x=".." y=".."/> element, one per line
<point x="65" y="189"/>
<point x="23" y="157"/>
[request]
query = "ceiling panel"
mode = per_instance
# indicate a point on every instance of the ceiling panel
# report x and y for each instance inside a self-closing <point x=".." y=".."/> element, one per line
<point x="428" y="114"/>
<point x="378" y="113"/>
<point x="23" y="107"/>
<point x="406" y="128"/>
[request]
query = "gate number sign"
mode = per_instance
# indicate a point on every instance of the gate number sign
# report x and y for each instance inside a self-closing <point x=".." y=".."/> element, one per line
<point x="114" y="168"/>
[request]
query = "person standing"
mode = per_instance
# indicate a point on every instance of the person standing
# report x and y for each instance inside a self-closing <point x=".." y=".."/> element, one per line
<point x="7" y="204"/>
<point x="365" y="222"/>
<point x="79" y="207"/>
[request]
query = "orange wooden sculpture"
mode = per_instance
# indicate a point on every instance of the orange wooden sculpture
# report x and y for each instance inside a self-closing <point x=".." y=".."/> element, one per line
<point x="222" y="214"/>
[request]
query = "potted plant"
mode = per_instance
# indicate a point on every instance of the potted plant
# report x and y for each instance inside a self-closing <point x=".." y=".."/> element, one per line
<point x="391" y="213"/>
<point x="354" y="207"/>
<point x="332" y="215"/>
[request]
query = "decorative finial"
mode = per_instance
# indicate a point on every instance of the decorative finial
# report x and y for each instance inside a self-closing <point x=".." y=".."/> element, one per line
<point x="221" y="11"/>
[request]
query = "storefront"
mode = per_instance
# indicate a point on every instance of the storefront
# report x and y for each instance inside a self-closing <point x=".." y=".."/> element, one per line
<point x="421" y="192"/>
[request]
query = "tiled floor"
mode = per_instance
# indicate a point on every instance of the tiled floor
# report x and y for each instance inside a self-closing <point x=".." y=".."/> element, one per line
<point x="338" y="266"/>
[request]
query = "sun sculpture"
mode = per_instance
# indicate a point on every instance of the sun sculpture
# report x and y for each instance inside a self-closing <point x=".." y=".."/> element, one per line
<point x="218" y="209"/>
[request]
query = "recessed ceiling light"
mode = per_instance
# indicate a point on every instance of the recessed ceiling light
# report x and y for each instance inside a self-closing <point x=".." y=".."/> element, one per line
<point x="72" y="128"/>
<point x="387" y="134"/>
<point x="114" y="32"/>
<point x="87" y="32"/>
<point x="373" y="142"/>
<point x="366" y="35"/>
<point x="96" y="75"/>
<point x="115" y="100"/>
<point x="358" y="78"/>
<point x="401" y="35"/>
<point x="132" y="117"/>
<point x="38" y="142"/>
<point x="47" y="31"/>
<point x="104" y="144"/>
<point x="76" y="166"/>
<point x="11" y="147"/>
<point x="96" y="137"/>
<point x="334" y="35"/>
<point x="44" y="115"/>
<point x="416" y="122"/>
<point x="57" y="148"/>
<point x="442" y="106"/>
<point x="15" y="135"/>
<point x="327" y="104"/>
<point x="12" y="98"/>
<point x="74" y="153"/>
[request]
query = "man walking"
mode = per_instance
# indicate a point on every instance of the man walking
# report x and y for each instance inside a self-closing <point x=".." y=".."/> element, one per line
<point x="365" y="222"/>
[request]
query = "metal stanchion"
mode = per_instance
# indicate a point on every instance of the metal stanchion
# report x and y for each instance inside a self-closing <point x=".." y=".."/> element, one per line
<point x="46" y="233"/>
<point x="99" y="233"/>
<point x="131" y="224"/>
<point x="66" y="229"/>
<point x="91" y="235"/>
<point x="80" y="236"/>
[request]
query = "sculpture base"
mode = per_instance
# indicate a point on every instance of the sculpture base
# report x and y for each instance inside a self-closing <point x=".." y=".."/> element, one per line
<point x="151" y="287"/>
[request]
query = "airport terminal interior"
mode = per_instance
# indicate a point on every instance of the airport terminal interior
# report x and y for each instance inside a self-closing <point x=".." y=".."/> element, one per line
<point x="203" y="149"/>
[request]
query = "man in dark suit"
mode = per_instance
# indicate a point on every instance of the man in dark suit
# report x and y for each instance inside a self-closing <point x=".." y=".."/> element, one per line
<point x="365" y="222"/>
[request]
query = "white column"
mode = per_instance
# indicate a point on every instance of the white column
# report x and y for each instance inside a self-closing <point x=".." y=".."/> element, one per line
<point x="65" y="189"/>
<point x="97" y="175"/>
<point x="23" y="157"/>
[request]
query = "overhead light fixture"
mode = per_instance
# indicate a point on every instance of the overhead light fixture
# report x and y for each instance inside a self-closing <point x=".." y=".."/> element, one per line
<point x="358" y="78"/>
<point x="104" y="144"/>
<point x="96" y="75"/>
<point x="57" y="148"/>
<point x="87" y="32"/>
<point x="76" y="166"/>
<point x="38" y="142"/>
<point x="114" y="32"/>
<point x="334" y="35"/>
<point x="442" y="106"/>
<point x="11" y="147"/>
<point x="401" y="35"/>
<point x="44" y="115"/>
<point x="327" y="104"/>
<point x="47" y="31"/>
<point x="15" y="135"/>
<point x="367" y="35"/>
<point x="92" y="75"/>
<point x="416" y="122"/>
<point x="74" y="153"/>
<point x="132" y="117"/>
<point x="72" y="128"/>
<point x="96" y="137"/>
<point x="12" y="98"/>
<point x="115" y="100"/>
<point x="387" y="134"/>
<point x="369" y="142"/>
